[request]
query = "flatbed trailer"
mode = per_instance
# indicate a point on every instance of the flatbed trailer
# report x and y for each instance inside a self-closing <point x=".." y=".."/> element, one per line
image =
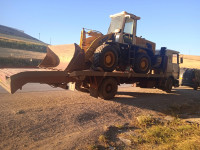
<point x="98" y="84"/>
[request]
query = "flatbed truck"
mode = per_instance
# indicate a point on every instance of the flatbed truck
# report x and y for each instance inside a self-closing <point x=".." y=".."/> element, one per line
<point x="97" y="83"/>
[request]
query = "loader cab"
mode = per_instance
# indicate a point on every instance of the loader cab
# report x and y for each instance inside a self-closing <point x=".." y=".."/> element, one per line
<point x="123" y="25"/>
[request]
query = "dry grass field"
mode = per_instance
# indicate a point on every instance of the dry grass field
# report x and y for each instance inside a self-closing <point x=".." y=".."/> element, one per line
<point x="23" y="54"/>
<point x="190" y="61"/>
<point x="19" y="58"/>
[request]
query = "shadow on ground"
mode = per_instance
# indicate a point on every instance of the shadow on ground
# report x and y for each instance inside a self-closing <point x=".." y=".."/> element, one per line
<point x="181" y="102"/>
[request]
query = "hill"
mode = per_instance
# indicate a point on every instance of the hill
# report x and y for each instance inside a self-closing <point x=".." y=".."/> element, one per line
<point x="17" y="39"/>
<point x="18" y="49"/>
<point x="190" y="61"/>
<point x="12" y="33"/>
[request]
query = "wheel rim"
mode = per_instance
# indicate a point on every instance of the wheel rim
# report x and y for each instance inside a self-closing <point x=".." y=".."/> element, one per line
<point x="109" y="59"/>
<point x="144" y="64"/>
<point x="108" y="88"/>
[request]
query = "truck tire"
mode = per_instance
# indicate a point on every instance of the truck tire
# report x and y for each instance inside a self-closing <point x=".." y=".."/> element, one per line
<point x="195" y="87"/>
<point x="105" y="57"/>
<point x="108" y="88"/>
<point x="168" y="85"/>
<point x="142" y="63"/>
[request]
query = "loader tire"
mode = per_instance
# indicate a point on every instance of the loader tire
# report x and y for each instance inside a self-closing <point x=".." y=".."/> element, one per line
<point x="105" y="57"/>
<point x="108" y="88"/>
<point x="142" y="63"/>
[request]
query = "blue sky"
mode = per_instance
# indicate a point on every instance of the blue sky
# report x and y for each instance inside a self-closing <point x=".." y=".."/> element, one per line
<point x="174" y="24"/>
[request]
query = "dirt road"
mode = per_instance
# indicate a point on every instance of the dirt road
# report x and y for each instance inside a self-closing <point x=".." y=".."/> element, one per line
<point x="73" y="120"/>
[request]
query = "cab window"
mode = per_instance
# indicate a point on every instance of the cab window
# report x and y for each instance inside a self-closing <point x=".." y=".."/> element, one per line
<point x="175" y="58"/>
<point x="128" y="31"/>
<point x="128" y="28"/>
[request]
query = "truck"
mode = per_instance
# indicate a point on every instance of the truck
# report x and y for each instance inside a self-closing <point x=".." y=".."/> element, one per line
<point x="102" y="62"/>
<point x="191" y="77"/>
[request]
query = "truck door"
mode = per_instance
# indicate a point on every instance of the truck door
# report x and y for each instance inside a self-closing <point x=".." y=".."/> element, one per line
<point x="175" y="65"/>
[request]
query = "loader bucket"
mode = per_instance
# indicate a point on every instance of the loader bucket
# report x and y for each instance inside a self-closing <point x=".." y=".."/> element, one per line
<point x="69" y="57"/>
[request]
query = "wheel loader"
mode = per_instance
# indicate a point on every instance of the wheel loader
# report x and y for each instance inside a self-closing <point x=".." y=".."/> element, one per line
<point x="120" y="49"/>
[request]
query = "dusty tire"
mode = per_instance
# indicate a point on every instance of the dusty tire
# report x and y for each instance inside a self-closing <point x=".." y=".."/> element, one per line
<point x="105" y="57"/>
<point x="168" y="85"/>
<point x="108" y="88"/>
<point x="195" y="87"/>
<point x="142" y="63"/>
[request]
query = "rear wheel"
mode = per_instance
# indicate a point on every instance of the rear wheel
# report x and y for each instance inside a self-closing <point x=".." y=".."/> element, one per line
<point x="106" y="58"/>
<point x="168" y="85"/>
<point x="108" y="88"/>
<point x="195" y="87"/>
<point x="142" y="63"/>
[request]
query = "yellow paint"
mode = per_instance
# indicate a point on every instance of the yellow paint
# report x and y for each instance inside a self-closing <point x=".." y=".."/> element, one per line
<point x="96" y="43"/>
<point x="90" y="44"/>
<point x="108" y="59"/>
<point x="143" y="64"/>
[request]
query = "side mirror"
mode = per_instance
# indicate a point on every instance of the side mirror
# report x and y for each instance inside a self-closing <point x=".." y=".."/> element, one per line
<point x="117" y="31"/>
<point x="181" y="60"/>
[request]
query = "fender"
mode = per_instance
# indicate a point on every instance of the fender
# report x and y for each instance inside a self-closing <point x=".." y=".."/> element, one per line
<point x="96" y="43"/>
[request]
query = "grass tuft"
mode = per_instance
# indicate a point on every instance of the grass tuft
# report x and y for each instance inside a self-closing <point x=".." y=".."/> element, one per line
<point x="145" y="121"/>
<point x="103" y="139"/>
<point x="92" y="147"/>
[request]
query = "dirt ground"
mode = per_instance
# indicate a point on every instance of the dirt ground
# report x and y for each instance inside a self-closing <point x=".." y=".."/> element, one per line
<point x="74" y="120"/>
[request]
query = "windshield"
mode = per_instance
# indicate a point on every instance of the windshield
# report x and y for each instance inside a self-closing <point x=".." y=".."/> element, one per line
<point x="128" y="28"/>
<point x="116" y="23"/>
